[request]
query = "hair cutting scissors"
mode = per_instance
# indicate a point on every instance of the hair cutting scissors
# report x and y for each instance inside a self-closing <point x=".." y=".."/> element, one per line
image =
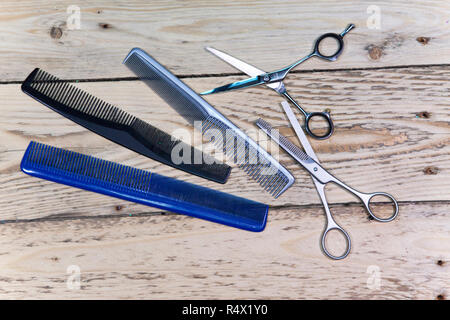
<point x="274" y="80"/>
<point x="321" y="177"/>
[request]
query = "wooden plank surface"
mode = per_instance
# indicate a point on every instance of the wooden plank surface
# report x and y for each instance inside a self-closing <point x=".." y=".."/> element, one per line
<point x="160" y="257"/>
<point x="269" y="34"/>
<point x="391" y="111"/>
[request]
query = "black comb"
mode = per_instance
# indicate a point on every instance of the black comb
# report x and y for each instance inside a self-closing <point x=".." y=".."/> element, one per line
<point x="119" y="126"/>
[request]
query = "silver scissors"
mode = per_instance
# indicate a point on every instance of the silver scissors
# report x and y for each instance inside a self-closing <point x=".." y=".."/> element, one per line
<point x="321" y="177"/>
<point x="274" y="80"/>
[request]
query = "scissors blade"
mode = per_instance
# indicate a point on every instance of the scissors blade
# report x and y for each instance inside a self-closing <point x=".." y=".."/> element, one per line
<point x="299" y="131"/>
<point x="243" y="66"/>
<point x="251" y="82"/>
<point x="314" y="169"/>
<point x="309" y="151"/>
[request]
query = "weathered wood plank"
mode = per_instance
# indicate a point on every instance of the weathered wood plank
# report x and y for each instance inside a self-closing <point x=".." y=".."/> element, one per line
<point x="393" y="134"/>
<point x="267" y="33"/>
<point x="379" y="144"/>
<point x="177" y="257"/>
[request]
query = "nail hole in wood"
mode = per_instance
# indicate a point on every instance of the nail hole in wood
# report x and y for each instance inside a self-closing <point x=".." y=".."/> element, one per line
<point x="105" y="25"/>
<point x="423" y="40"/>
<point x="430" y="170"/>
<point x="423" y="114"/>
<point x="56" y="32"/>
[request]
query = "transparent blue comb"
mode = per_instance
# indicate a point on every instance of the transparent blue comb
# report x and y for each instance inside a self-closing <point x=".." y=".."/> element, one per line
<point x="128" y="183"/>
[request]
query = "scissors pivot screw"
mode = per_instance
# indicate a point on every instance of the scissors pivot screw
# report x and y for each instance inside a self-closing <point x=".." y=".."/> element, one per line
<point x="266" y="78"/>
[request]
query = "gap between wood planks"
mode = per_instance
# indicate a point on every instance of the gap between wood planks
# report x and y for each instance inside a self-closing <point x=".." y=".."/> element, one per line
<point x="168" y="213"/>
<point x="231" y="74"/>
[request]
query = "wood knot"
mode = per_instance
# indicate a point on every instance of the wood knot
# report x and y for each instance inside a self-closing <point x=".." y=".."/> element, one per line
<point x="424" y="114"/>
<point x="440" y="263"/>
<point x="431" y="170"/>
<point x="56" y="32"/>
<point x="119" y="207"/>
<point x="105" y="25"/>
<point x="375" y="52"/>
<point x="440" y="297"/>
<point x="423" y="40"/>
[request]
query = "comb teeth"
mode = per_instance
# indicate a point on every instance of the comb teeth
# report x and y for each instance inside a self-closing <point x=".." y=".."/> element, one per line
<point x="247" y="157"/>
<point x="77" y="99"/>
<point x="168" y="87"/>
<point x="250" y="157"/>
<point x="86" y="168"/>
<point x="119" y="126"/>
<point x="113" y="179"/>
<point x="282" y="140"/>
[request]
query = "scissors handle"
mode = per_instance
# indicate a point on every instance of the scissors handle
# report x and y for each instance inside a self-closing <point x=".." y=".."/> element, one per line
<point x="338" y="51"/>
<point x="281" y="74"/>
<point x="309" y="116"/>
<point x="366" y="199"/>
<point x="339" y="39"/>
<point x="325" y="177"/>
<point x="322" y="115"/>
<point x="331" y="225"/>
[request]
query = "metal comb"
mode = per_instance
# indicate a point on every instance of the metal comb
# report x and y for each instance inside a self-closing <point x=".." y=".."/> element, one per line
<point x="254" y="160"/>
<point x="291" y="148"/>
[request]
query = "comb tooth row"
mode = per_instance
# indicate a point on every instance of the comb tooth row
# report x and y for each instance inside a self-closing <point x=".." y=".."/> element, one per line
<point x="76" y="99"/>
<point x="160" y="83"/>
<point x="246" y="156"/>
<point x="128" y="183"/>
<point x="139" y="68"/>
<point x="116" y="125"/>
<point x="90" y="170"/>
<point x="283" y="141"/>
<point x="249" y="156"/>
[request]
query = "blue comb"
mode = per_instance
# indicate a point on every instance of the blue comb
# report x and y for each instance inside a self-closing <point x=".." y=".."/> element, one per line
<point x="128" y="183"/>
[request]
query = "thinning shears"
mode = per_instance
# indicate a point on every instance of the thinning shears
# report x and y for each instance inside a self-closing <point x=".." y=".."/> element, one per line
<point x="274" y="80"/>
<point x="321" y="177"/>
